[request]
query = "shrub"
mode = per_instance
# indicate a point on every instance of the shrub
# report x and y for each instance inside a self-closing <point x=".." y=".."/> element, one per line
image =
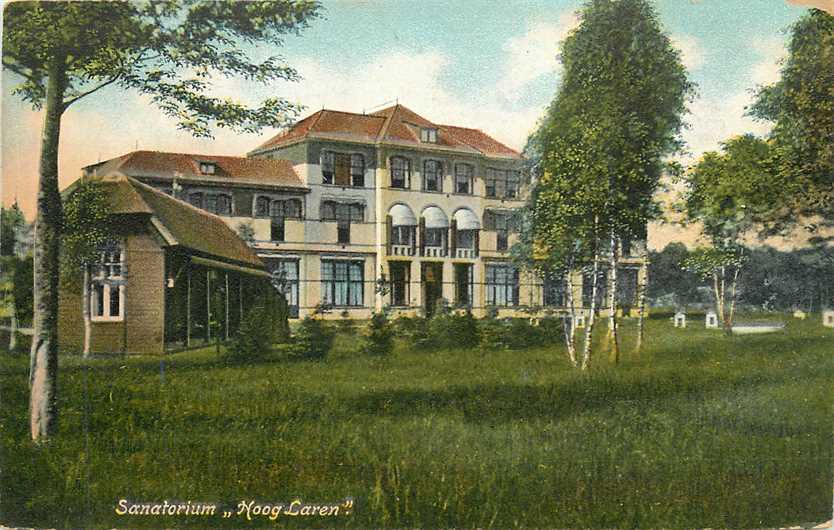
<point x="493" y="332"/>
<point x="379" y="335"/>
<point x="414" y="331"/>
<point x="345" y="324"/>
<point x="313" y="339"/>
<point x="521" y="334"/>
<point x="254" y="338"/>
<point x="453" y="330"/>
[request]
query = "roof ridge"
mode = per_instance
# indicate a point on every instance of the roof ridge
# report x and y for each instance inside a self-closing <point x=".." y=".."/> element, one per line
<point x="383" y="132"/>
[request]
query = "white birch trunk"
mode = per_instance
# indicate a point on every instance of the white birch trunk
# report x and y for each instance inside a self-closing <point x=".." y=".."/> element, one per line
<point x="613" y="339"/>
<point x="589" y="324"/>
<point x="85" y="309"/>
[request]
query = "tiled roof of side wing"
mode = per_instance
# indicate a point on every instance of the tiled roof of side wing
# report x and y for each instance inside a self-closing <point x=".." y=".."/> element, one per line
<point x="190" y="227"/>
<point x="186" y="165"/>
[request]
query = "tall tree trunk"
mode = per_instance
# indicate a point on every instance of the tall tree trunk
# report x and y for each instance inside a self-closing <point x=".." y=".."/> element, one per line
<point x="589" y="324"/>
<point x="733" y="298"/>
<point x="726" y="321"/>
<point x="613" y="339"/>
<point x="85" y="309"/>
<point x="642" y="287"/>
<point x="43" y="364"/>
<point x="570" y="336"/>
<point x="719" y="297"/>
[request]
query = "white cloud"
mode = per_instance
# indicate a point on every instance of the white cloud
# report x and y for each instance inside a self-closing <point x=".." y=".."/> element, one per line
<point x="692" y="54"/>
<point x="772" y="52"/>
<point x="716" y="118"/>
<point x="534" y="54"/>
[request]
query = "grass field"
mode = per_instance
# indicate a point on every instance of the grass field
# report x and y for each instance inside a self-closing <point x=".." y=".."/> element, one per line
<point x="701" y="431"/>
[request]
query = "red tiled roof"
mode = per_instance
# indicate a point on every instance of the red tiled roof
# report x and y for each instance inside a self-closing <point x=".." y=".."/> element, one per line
<point x="396" y="124"/>
<point x="228" y="169"/>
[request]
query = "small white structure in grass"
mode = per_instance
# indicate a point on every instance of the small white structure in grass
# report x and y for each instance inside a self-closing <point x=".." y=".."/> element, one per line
<point x="800" y="314"/>
<point x="828" y="318"/>
<point x="680" y="319"/>
<point x="711" y="321"/>
<point x="580" y="320"/>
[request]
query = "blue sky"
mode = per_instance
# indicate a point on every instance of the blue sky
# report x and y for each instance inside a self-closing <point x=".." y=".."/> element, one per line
<point x="485" y="64"/>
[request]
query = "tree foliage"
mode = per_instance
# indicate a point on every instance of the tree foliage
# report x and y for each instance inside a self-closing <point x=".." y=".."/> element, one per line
<point x="168" y="50"/>
<point x="88" y="225"/>
<point x="801" y="107"/>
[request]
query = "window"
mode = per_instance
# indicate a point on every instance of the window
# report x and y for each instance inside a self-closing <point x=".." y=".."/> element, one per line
<point x="503" y="224"/>
<point x="463" y="284"/>
<point x="429" y="135"/>
<point x="465" y="239"/>
<point x="432" y="175"/>
<point x="195" y="199"/>
<point x="285" y="279"/>
<point x="400" y="172"/>
<point x="218" y="204"/>
<point x="399" y="283"/>
<point x="463" y="178"/>
<point x="342" y="169"/>
<point x="107" y="284"/>
<point x="207" y="168"/>
<point x="262" y="207"/>
<point x="554" y="288"/>
<point x="502" y="183"/>
<point x="344" y="214"/>
<point x="501" y="285"/>
<point x="280" y="210"/>
<point x="357" y="170"/>
<point x="328" y="167"/>
<point x="401" y="235"/>
<point x="342" y="283"/>
<point x="435" y="237"/>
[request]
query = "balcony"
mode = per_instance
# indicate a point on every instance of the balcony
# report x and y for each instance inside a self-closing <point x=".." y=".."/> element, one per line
<point x="434" y="252"/>
<point x="466" y="253"/>
<point x="402" y="250"/>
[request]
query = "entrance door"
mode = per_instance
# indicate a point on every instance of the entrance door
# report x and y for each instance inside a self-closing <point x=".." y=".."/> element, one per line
<point x="432" y="279"/>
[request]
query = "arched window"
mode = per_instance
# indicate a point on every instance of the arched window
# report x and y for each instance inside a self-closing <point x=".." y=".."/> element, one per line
<point x="400" y="172"/>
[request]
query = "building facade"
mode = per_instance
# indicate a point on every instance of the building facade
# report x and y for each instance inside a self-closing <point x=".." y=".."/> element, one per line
<point x="355" y="212"/>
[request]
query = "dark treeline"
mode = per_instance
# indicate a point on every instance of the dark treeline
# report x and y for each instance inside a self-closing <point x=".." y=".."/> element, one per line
<point x="770" y="280"/>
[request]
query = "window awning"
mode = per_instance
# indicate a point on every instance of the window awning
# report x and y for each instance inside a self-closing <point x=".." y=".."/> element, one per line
<point x="435" y="218"/>
<point x="401" y="215"/>
<point x="215" y="264"/>
<point x="466" y="220"/>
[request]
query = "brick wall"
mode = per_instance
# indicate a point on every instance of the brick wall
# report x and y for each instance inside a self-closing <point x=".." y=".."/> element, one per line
<point x="141" y="331"/>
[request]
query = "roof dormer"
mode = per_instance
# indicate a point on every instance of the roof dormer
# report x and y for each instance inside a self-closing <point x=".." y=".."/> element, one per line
<point x="428" y="135"/>
<point x="207" y="167"/>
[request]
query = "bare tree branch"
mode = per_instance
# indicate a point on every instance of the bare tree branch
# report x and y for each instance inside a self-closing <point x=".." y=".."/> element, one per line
<point x="110" y="81"/>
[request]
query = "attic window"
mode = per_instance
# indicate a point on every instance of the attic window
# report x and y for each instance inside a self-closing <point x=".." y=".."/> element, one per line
<point x="207" y="168"/>
<point x="428" y="135"/>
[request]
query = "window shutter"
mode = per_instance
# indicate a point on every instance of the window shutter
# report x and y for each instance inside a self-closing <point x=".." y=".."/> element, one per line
<point x="453" y="238"/>
<point x="422" y="236"/>
<point x="342" y="169"/>
<point x="413" y="235"/>
<point x="477" y="242"/>
<point x="389" y="232"/>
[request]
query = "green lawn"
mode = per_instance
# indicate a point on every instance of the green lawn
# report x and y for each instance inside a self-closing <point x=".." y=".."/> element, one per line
<point x="701" y="431"/>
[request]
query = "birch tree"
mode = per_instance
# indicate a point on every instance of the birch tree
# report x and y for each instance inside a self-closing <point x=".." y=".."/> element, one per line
<point x="726" y="193"/>
<point x="168" y="50"/>
<point x="608" y="133"/>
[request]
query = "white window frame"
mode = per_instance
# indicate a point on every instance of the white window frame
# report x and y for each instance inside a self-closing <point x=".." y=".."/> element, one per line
<point x="103" y="274"/>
